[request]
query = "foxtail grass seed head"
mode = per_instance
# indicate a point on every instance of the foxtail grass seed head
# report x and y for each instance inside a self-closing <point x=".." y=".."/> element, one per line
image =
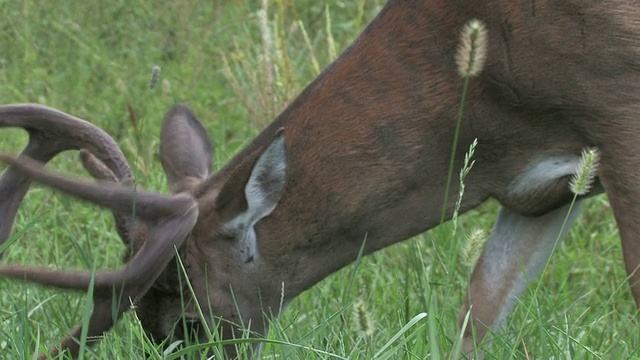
<point x="155" y="76"/>
<point x="472" y="50"/>
<point x="473" y="247"/>
<point x="582" y="180"/>
<point x="362" y="323"/>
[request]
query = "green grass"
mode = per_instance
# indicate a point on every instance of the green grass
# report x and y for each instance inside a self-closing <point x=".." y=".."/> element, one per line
<point x="93" y="59"/>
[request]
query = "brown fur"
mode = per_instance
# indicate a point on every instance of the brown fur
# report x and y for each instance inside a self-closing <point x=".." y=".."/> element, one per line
<point x="368" y="145"/>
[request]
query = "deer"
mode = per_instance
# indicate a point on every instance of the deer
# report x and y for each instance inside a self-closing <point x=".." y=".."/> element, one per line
<point x="363" y="152"/>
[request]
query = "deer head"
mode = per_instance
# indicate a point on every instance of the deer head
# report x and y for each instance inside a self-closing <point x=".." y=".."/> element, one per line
<point x="205" y="209"/>
<point x="364" y="155"/>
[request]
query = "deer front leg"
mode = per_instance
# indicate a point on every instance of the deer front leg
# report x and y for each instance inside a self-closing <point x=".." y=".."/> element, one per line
<point x="620" y="175"/>
<point x="517" y="249"/>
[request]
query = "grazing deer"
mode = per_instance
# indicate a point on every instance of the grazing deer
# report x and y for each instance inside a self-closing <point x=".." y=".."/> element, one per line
<point x="363" y="152"/>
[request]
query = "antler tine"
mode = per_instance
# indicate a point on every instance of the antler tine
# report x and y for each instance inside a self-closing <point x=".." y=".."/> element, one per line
<point x="97" y="168"/>
<point x="71" y="344"/>
<point x="51" y="132"/>
<point x="169" y="220"/>
<point x="124" y="222"/>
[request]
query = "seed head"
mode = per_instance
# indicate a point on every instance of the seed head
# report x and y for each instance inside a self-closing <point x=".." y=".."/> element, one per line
<point x="582" y="180"/>
<point x="155" y="76"/>
<point x="471" y="251"/>
<point x="362" y="322"/>
<point x="472" y="50"/>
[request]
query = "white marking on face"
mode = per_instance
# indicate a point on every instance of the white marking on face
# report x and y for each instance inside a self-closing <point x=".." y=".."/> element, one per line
<point x="249" y="247"/>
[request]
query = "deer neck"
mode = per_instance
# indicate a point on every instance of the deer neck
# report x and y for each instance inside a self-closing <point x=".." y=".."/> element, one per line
<point x="345" y="134"/>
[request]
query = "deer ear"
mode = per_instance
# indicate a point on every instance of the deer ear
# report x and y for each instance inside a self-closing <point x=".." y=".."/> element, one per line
<point x="185" y="150"/>
<point x="252" y="192"/>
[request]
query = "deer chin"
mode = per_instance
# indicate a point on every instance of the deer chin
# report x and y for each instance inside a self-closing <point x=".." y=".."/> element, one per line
<point x="169" y="317"/>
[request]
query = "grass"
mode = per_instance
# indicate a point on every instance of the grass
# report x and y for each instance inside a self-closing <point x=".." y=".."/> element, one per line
<point x="94" y="58"/>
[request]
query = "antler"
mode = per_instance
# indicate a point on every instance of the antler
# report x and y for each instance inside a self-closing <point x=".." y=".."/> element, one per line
<point x="50" y="133"/>
<point x="168" y="219"/>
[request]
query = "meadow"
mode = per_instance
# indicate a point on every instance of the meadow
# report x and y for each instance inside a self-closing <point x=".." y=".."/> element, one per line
<point x="238" y="65"/>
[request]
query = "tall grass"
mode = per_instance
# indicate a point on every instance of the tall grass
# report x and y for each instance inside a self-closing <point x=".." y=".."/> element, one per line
<point x="238" y="63"/>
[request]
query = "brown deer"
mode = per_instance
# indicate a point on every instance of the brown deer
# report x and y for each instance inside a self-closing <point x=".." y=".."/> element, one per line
<point x="363" y="152"/>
